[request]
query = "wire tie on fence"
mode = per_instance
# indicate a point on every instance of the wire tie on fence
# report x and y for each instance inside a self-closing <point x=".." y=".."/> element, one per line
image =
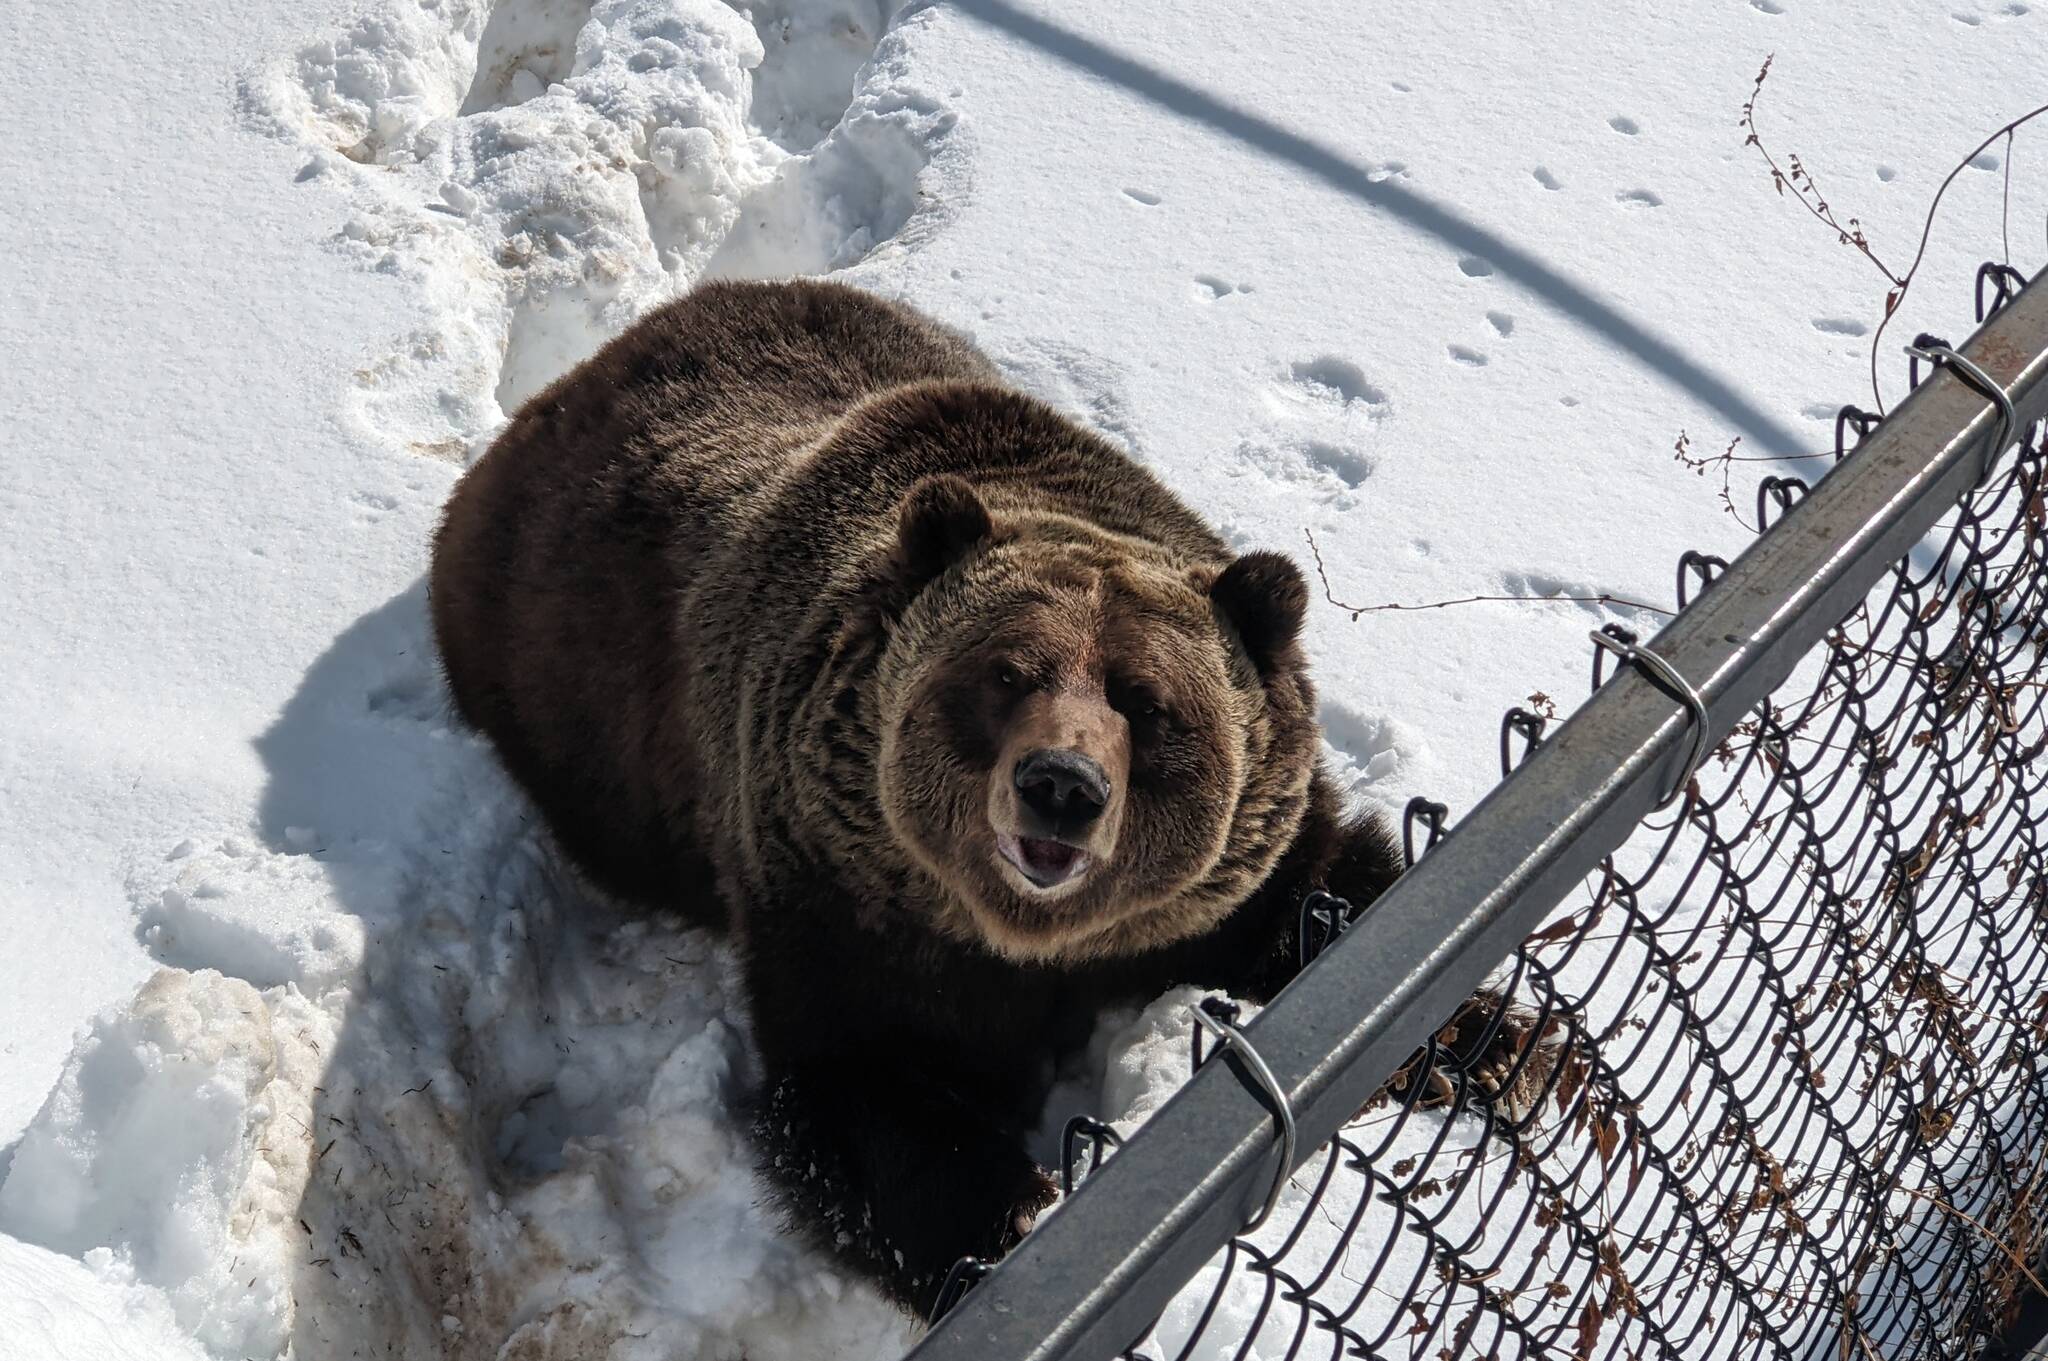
<point x="1230" y="1037"/>
<point x="1101" y="1136"/>
<point x="1667" y="675"/>
<point x="1781" y="490"/>
<point x="2006" y="283"/>
<point x="1324" y="917"/>
<point x="1857" y="419"/>
<point x="1697" y="564"/>
<point x="1423" y="810"/>
<point x="1620" y="633"/>
<point x="1529" y="725"/>
<point x="1982" y="383"/>
<point x="965" y="1273"/>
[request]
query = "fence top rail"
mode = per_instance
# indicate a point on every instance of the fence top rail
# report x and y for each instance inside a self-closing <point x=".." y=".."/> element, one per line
<point x="1091" y="1278"/>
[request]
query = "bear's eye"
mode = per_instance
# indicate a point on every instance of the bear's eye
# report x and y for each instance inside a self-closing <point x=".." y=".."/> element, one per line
<point x="1008" y="677"/>
<point x="1141" y="704"/>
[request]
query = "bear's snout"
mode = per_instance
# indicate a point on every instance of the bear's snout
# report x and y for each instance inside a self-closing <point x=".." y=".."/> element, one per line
<point x="1064" y="787"/>
<point x="1054" y="800"/>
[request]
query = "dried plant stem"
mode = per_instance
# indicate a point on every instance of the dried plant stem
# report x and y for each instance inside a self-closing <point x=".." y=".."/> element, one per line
<point x="2005" y="206"/>
<point x="1803" y="187"/>
<point x="1938" y="1203"/>
<point x="1727" y="458"/>
<point x="1797" y="178"/>
<point x="1356" y="610"/>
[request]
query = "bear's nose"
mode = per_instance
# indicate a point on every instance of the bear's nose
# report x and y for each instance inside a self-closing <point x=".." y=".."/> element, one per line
<point x="1062" y="786"/>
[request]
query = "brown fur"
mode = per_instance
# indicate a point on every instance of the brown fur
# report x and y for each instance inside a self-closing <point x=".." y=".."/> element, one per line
<point x="765" y="603"/>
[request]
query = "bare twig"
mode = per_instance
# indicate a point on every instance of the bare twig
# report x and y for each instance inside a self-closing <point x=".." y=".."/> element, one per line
<point x="1806" y="191"/>
<point x="1927" y="230"/>
<point x="1851" y="233"/>
<point x="1727" y="458"/>
<point x="1356" y="610"/>
<point x="2005" y="207"/>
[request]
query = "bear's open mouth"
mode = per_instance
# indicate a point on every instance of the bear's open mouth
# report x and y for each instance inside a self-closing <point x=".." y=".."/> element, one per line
<point x="1044" y="862"/>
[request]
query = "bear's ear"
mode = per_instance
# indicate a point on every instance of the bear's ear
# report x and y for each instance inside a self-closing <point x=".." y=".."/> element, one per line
<point x="940" y="519"/>
<point x="1264" y="597"/>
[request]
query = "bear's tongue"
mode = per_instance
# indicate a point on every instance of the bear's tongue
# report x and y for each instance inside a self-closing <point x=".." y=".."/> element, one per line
<point x="1045" y="862"/>
<point x="1047" y="859"/>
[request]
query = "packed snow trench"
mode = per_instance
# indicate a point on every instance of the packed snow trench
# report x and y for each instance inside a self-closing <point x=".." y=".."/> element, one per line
<point x="378" y="1076"/>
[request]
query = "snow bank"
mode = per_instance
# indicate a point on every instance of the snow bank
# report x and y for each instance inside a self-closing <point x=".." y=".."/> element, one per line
<point x="527" y="1138"/>
<point x="166" y="1157"/>
<point x="545" y="172"/>
<point x="496" y="1116"/>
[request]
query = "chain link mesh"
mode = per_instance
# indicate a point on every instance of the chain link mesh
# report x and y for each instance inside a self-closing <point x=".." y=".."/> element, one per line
<point x="1797" y="1105"/>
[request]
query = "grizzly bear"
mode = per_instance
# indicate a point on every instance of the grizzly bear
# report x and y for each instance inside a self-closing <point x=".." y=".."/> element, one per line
<point x="788" y="612"/>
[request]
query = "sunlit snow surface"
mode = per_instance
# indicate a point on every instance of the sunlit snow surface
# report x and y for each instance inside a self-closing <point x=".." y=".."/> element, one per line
<point x="357" y="1068"/>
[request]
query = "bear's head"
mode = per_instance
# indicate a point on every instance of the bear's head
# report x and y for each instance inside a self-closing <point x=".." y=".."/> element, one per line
<point x="1095" y="745"/>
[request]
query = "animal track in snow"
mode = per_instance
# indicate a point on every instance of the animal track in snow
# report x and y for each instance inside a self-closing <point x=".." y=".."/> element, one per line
<point x="1333" y="472"/>
<point x="546" y="170"/>
<point x="1767" y="6"/>
<point x="1346" y="465"/>
<point x="1543" y="177"/>
<point x="1210" y="288"/>
<point x="1543" y="585"/>
<point x="1331" y="406"/>
<point x="1638" y="198"/>
<point x="1502" y="323"/>
<point x="524" y="50"/>
<point x="813" y="55"/>
<point x="1326" y="378"/>
<point x="1377" y="746"/>
<point x="1627" y="127"/>
<point x="1887" y="173"/>
<point x="1466" y="355"/>
<point x="1840" y="326"/>
<point x="1472" y="267"/>
<point x="1144" y="196"/>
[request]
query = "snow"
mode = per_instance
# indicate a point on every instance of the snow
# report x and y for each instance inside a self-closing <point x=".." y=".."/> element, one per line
<point x="306" y="1045"/>
<point x="162" y="1142"/>
<point x="58" y="1306"/>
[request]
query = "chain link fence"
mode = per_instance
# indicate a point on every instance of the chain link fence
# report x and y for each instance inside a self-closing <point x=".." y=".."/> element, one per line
<point x="1786" y="878"/>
